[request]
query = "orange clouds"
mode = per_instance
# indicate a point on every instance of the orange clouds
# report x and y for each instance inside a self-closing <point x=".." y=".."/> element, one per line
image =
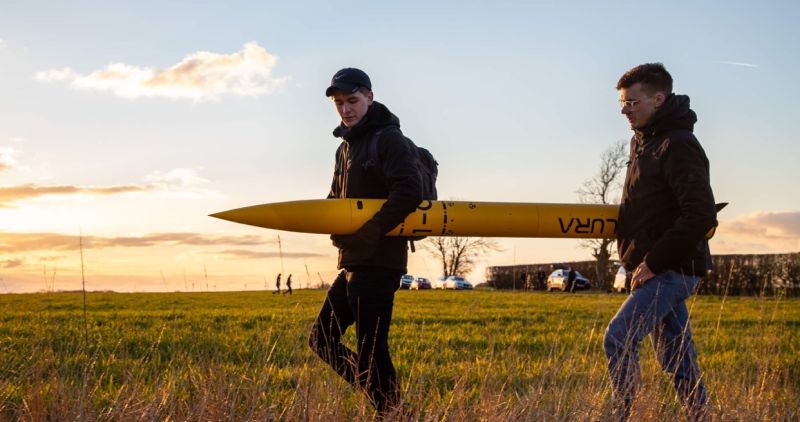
<point x="11" y="263"/>
<point x="759" y="232"/>
<point x="766" y="224"/>
<point x="248" y="254"/>
<point x="11" y="194"/>
<point x="184" y="182"/>
<point x="27" y="242"/>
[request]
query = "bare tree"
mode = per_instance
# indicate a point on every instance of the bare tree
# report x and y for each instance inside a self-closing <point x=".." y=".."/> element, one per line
<point x="604" y="188"/>
<point x="458" y="254"/>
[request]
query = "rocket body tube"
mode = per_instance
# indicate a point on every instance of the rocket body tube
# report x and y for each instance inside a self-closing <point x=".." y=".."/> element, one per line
<point x="436" y="218"/>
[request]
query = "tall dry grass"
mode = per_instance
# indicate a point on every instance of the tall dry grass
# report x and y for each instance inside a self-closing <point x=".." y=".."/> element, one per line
<point x="461" y="356"/>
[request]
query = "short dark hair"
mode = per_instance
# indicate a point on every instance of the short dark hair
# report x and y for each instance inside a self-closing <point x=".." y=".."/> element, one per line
<point x="653" y="77"/>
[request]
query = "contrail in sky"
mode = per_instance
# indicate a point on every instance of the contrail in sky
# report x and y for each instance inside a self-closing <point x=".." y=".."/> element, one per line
<point x="743" y="64"/>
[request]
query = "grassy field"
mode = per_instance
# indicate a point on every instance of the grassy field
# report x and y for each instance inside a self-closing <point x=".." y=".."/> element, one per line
<point x="478" y="355"/>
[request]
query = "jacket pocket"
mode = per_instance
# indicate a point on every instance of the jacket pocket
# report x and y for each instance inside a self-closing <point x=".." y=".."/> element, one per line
<point x="637" y="248"/>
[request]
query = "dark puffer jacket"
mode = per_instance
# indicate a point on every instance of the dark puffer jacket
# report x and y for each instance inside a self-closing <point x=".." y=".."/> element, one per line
<point x="397" y="180"/>
<point x="667" y="203"/>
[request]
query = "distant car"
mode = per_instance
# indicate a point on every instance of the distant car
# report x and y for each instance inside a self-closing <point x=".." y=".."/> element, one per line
<point x="622" y="281"/>
<point x="439" y="282"/>
<point x="558" y="281"/>
<point x="406" y="280"/>
<point x="458" y="283"/>
<point x="420" y="283"/>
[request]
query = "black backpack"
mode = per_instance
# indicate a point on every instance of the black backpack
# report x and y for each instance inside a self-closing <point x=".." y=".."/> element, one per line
<point x="427" y="166"/>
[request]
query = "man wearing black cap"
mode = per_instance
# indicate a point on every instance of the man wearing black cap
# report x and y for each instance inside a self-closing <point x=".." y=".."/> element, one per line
<point x="371" y="264"/>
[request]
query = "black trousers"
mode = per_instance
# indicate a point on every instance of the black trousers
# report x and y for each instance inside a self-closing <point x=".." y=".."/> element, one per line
<point x="363" y="297"/>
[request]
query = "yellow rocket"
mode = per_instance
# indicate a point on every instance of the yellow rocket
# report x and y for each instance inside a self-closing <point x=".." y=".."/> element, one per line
<point x="436" y="218"/>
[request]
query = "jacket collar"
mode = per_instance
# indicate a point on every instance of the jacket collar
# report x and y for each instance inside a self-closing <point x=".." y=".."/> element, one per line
<point x="674" y="114"/>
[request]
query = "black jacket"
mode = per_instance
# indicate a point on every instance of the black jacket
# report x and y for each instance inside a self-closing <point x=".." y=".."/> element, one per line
<point x="397" y="180"/>
<point x="667" y="204"/>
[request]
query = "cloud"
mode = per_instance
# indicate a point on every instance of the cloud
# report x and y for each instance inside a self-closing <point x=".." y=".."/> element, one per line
<point x="766" y="224"/>
<point x="760" y="232"/>
<point x="181" y="182"/>
<point x="179" y="176"/>
<point x="199" y="76"/>
<point x="56" y="75"/>
<point x="742" y="64"/>
<point x="30" y="242"/>
<point x="248" y="254"/>
<point x="12" y="194"/>
<point x="11" y="263"/>
<point x="7" y="161"/>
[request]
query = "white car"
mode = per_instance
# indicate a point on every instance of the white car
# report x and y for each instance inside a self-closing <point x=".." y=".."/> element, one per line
<point x="558" y="281"/>
<point x="439" y="283"/>
<point x="458" y="283"/>
<point x="621" y="281"/>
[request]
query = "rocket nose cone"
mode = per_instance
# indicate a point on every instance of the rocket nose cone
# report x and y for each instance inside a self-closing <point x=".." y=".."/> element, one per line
<point x="220" y="215"/>
<point x="234" y="216"/>
<point x="258" y="215"/>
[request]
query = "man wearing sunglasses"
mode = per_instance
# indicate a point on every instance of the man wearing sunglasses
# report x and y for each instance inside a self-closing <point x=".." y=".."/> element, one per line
<point x="667" y="208"/>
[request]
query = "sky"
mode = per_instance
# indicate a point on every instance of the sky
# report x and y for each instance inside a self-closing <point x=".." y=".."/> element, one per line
<point x="124" y="124"/>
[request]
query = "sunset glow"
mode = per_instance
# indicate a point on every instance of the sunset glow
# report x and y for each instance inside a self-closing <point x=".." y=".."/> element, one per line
<point x="119" y="138"/>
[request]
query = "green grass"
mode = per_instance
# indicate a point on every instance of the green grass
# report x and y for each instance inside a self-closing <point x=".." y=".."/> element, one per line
<point x="479" y="355"/>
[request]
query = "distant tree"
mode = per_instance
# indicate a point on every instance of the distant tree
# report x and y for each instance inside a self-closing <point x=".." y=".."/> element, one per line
<point x="458" y="255"/>
<point x="604" y="188"/>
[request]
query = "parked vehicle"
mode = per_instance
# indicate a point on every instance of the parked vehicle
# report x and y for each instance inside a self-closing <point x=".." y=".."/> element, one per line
<point x="622" y="281"/>
<point x="558" y="281"/>
<point x="458" y="283"/>
<point x="406" y="280"/>
<point x="420" y="283"/>
<point x="439" y="282"/>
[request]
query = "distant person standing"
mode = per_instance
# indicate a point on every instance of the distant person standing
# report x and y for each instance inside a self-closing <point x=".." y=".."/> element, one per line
<point x="541" y="277"/>
<point x="277" y="285"/>
<point x="288" y="285"/>
<point x="571" y="276"/>
<point x="371" y="264"/>
<point x="667" y="209"/>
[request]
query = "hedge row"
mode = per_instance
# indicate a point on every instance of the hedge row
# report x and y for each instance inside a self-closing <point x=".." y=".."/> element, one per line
<point x="738" y="275"/>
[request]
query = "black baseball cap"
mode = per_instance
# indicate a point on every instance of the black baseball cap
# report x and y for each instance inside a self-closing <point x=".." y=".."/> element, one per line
<point x="348" y="80"/>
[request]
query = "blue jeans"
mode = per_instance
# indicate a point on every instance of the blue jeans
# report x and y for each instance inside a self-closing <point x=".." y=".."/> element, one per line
<point x="657" y="308"/>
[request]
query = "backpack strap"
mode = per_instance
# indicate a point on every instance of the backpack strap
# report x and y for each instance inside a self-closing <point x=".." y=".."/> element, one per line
<point x="373" y="158"/>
